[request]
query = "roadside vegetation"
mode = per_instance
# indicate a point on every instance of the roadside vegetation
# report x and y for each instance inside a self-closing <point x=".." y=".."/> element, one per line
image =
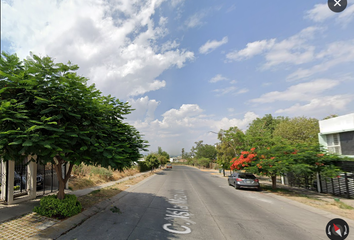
<point x="154" y="160"/>
<point x="49" y="114"/>
<point x="85" y="176"/>
<point x="271" y="146"/>
<point x="102" y="194"/>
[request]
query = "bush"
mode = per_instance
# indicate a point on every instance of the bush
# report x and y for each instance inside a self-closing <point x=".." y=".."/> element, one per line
<point x="51" y="206"/>
<point x="15" y="187"/>
<point x="143" y="167"/>
<point x="204" y="162"/>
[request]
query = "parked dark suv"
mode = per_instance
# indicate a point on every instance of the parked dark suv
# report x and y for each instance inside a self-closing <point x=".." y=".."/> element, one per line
<point x="243" y="180"/>
<point x="21" y="181"/>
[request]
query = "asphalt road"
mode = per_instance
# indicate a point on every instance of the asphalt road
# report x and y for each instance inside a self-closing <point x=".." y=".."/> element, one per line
<point x="186" y="203"/>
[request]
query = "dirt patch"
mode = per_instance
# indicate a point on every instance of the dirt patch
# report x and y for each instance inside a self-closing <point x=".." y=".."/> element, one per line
<point x="333" y="207"/>
<point x="336" y="207"/>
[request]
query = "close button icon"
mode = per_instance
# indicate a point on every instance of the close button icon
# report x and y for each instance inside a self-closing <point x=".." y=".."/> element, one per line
<point x="337" y="5"/>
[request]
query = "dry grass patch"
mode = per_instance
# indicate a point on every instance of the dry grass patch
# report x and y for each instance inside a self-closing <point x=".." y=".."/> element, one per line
<point x="99" y="195"/>
<point x="84" y="176"/>
<point x="338" y="208"/>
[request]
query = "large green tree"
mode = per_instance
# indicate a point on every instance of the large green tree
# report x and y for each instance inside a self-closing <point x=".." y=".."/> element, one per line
<point x="232" y="142"/>
<point x="152" y="160"/>
<point x="206" y="151"/>
<point x="260" y="132"/>
<point x="163" y="153"/>
<point x="47" y="110"/>
<point x="298" y="130"/>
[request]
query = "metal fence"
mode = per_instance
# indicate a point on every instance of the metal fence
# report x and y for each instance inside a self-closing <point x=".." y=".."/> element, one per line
<point x="343" y="185"/>
<point x="47" y="181"/>
<point x="301" y="180"/>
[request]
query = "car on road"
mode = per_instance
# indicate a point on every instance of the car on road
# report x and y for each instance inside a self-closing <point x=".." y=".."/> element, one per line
<point x="169" y="165"/>
<point x="243" y="180"/>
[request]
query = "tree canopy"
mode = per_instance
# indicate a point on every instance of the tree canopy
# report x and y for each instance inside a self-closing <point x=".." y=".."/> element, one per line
<point x="298" y="130"/>
<point x="47" y="110"/>
<point x="232" y="142"/>
<point x="205" y="151"/>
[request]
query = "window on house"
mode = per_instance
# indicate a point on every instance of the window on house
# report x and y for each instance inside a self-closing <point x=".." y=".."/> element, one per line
<point x="333" y="143"/>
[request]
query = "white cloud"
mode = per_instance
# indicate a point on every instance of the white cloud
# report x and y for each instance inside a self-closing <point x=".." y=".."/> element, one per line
<point x="223" y="91"/>
<point x="293" y="50"/>
<point x="300" y="92"/>
<point x="210" y="46"/>
<point x="335" y="54"/>
<point x="196" y="19"/>
<point x="231" y="109"/>
<point x="230" y="9"/>
<point x="226" y="123"/>
<point x="320" y="13"/>
<point x="113" y="42"/>
<point x="180" y="128"/>
<point x="186" y="110"/>
<point x="319" y="107"/>
<point x="252" y="49"/>
<point x="169" y="45"/>
<point x="346" y="16"/>
<point x="243" y="90"/>
<point x="175" y="3"/>
<point x="217" y="78"/>
<point x="144" y="109"/>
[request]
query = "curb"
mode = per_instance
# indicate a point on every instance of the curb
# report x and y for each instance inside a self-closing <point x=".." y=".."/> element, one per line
<point x="59" y="229"/>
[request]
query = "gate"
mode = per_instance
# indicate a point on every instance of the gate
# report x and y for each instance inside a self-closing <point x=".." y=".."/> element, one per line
<point x="47" y="181"/>
<point x="20" y="179"/>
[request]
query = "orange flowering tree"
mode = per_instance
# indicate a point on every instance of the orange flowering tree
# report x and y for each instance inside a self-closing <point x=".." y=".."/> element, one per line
<point x="244" y="160"/>
<point x="280" y="159"/>
<point x="268" y="161"/>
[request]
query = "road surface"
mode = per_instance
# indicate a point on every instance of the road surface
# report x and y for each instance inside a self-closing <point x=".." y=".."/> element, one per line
<point x="186" y="203"/>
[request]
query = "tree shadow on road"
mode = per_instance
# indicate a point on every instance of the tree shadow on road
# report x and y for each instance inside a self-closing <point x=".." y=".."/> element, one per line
<point x="133" y="215"/>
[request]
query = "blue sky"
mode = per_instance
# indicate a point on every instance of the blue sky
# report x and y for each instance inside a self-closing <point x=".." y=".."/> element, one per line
<point x="190" y="67"/>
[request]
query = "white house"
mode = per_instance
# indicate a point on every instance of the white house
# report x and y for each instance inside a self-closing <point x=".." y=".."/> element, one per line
<point x="173" y="159"/>
<point x="337" y="134"/>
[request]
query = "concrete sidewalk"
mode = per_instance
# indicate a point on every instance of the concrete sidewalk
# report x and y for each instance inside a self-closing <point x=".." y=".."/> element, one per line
<point x="18" y="221"/>
<point x="8" y="212"/>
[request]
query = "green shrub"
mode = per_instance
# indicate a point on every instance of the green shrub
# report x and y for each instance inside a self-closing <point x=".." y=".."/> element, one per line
<point x="15" y="187"/>
<point x="204" y="162"/>
<point x="143" y="167"/>
<point x="51" y="206"/>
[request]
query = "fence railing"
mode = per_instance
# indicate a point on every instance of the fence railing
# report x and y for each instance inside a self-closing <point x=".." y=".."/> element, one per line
<point x="343" y="185"/>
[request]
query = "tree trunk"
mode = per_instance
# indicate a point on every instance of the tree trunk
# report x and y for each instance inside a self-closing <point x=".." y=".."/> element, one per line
<point x="223" y="171"/>
<point x="61" y="193"/>
<point x="62" y="181"/>
<point x="274" y="182"/>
